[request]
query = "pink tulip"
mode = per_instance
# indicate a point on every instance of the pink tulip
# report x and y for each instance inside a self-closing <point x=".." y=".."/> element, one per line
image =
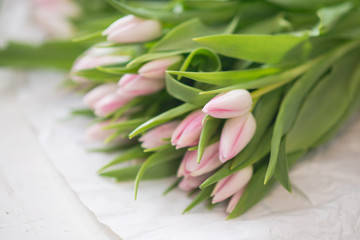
<point x="137" y="85"/>
<point x="110" y="103"/>
<point x="189" y="183"/>
<point x="92" y="97"/>
<point x="230" y="185"/>
<point x="155" y="137"/>
<point x="209" y="162"/>
<point x="98" y="133"/>
<point x="234" y="200"/>
<point x="131" y="29"/>
<point x="157" y="68"/>
<point x="228" y="105"/>
<point x="189" y="130"/>
<point x="95" y="57"/>
<point x="236" y="134"/>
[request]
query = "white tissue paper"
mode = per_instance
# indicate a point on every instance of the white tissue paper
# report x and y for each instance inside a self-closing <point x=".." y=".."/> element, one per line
<point x="325" y="203"/>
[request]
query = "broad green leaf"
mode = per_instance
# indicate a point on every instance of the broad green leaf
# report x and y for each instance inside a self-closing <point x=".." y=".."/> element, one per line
<point x="301" y="4"/>
<point x="228" y="78"/>
<point x="83" y="112"/>
<point x="157" y="158"/>
<point x="256" y="190"/>
<point x="162" y="118"/>
<point x="264" y="113"/>
<point x="57" y="55"/>
<point x="281" y="171"/>
<point x="267" y="26"/>
<point x="203" y="60"/>
<point x="257" y="48"/>
<point x="151" y="56"/>
<point x="294" y="98"/>
<point x="329" y="16"/>
<point x="202" y="196"/>
<point x="129" y="173"/>
<point x="220" y="14"/>
<point x="209" y="129"/>
<point x="185" y="92"/>
<point x="131" y="154"/>
<point x="326" y="103"/>
<point x="97" y="76"/>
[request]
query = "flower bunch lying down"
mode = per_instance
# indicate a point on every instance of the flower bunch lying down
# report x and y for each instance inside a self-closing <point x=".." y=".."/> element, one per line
<point x="226" y="95"/>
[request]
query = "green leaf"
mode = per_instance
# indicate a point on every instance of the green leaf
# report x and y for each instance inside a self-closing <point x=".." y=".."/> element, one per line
<point x="83" y="112"/>
<point x="150" y="56"/>
<point x="129" y="173"/>
<point x="57" y="55"/>
<point x="160" y="157"/>
<point x="202" y="196"/>
<point x="97" y="76"/>
<point x="281" y="171"/>
<point x="329" y="16"/>
<point x="131" y="154"/>
<point x="258" y="48"/>
<point x="209" y="129"/>
<point x="172" y="186"/>
<point x="294" y="98"/>
<point x="326" y="103"/>
<point x="185" y="93"/>
<point x="228" y="78"/>
<point x="203" y="60"/>
<point x="162" y="118"/>
<point x="301" y="4"/>
<point x="223" y="13"/>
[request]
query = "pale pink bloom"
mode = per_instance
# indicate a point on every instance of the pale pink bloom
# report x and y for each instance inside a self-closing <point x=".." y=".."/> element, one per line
<point x="137" y="85"/>
<point x="93" y="96"/>
<point x="228" y="186"/>
<point x="235" y="135"/>
<point x="228" y="105"/>
<point x="234" y="200"/>
<point x="155" y="137"/>
<point x="98" y="133"/>
<point x="157" y="68"/>
<point x="131" y="29"/>
<point x="53" y="16"/>
<point x="110" y="103"/>
<point x="209" y="161"/>
<point x="189" y="130"/>
<point x="95" y="57"/>
<point x="189" y="183"/>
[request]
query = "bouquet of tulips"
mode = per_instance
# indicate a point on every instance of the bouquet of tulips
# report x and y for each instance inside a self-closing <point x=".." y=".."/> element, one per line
<point x="227" y="95"/>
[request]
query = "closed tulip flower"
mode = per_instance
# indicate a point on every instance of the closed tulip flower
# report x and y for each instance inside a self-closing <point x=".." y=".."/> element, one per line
<point x="189" y="130"/>
<point x="110" y="103"/>
<point x="97" y="132"/>
<point x="157" y="68"/>
<point x="235" y="135"/>
<point x="137" y="85"/>
<point x="93" y="96"/>
<point x="229" y="105"/>
<point x="131" y="29"/>
<point x="209" y="161"/>
<point x="155" y="137"/>
<point x="232" y="184"/>
<point x="234" y="200"/>
<point x="189" y="183"/>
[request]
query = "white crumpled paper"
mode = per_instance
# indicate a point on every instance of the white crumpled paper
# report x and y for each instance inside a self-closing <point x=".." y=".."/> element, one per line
<point x="325" y="203"/>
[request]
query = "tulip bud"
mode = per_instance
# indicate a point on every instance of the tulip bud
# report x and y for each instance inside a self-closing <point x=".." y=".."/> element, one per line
<point x="97" y="131"/>
<point x="235" y="135"/>
<point x="131" y="29"/>
<point x="209" y="162"/>
<point x="157" y="68"/>
<point x="95" y="57"/>
<point x="228" y="186"/>
<point x="189" y="183"/>
<point x="155" y="137"/>
<point x="110" y="103"/>
<point x="137" y="85"/>
<point x="234" y="200"/>
<point x="189" y="130"/>
<point x="92" y="97"/>
<point x="228" y="105"/>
